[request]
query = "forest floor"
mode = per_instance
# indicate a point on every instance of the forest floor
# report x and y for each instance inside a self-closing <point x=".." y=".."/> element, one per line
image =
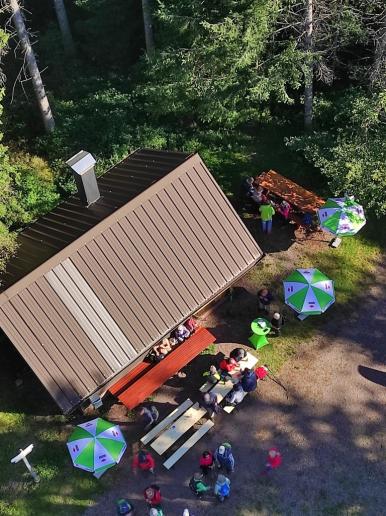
<point x="330" y="429"/>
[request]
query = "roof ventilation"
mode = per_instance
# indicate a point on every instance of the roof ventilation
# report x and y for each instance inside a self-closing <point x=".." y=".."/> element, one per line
<point x="82" y="165"/>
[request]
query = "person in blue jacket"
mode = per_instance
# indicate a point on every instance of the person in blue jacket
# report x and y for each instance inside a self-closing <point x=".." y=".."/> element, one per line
<point x="223" y="457"/>
<point x="248" y="380"/>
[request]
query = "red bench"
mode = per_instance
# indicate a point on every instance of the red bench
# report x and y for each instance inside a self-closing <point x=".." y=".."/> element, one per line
<point x="129" y="378"/>
<point x="149" y="382"/>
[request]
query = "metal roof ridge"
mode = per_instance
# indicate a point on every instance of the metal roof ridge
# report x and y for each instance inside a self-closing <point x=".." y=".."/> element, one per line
<point x="89" y="235"/>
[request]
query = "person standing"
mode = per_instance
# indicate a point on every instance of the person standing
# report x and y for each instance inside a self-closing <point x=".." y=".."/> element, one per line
<point x="266" y="212"/>
<point x="124" y="506"/>
<point x="277" y="322"/>
<point x="152" y="495"/>
<point x="206" y="462"/>
<point x="223" y="457"/>
<point x="198" y="486"/>
<point x="264" y="299"/>
<point x="273" y="461"/>
<point x="222" y="487"/>
<point x="144" y="461"/>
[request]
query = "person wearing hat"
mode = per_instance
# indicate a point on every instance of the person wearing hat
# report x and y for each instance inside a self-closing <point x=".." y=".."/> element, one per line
<point x="152" y="495"/>
<point x="223" y="457"/>
<point x="198" y="486"/>
<point x="222" y="487"/>
<point x="277" y="322"/>
<point x="144" y="461"/>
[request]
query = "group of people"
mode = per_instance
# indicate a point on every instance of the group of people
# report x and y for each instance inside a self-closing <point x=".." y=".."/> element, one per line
<point x="221" y="460"/>
<point x="181" y="333"/>
<point x="264" y="300"/>
<point x="245" y="382"/>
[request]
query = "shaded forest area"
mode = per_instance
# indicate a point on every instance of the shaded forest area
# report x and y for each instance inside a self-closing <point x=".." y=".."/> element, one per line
<point x="299" y="85"/>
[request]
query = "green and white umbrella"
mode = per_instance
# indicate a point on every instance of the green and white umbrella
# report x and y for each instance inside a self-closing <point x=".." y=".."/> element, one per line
<point x="308" y="291"/>
<point x="342" y="217"/>
<point x="96" y="446"/>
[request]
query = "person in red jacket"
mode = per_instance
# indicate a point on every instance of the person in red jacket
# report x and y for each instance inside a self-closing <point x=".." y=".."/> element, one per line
<point x="143" y="461"/>
<point x="206" y="462"/>
<point x="273" y="461"/>
<point x="227" y="367"/>
<point x="153" y="496"/>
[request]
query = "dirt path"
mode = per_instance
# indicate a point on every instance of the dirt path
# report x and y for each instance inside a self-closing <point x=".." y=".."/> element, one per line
<point x="331" y="432"/>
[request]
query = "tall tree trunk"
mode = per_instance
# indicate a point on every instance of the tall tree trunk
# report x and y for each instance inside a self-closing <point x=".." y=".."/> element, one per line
<point x="37" y="83"/>
<point x="64" y="26"/>
<point x="309" y="69"/>
<point x="378" y="71"/>
<point x="148" y="27"/>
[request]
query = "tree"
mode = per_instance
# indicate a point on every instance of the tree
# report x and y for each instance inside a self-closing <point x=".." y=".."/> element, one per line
<point x="65" y="30"/>
<point x="309" y="65"/>
<point x="37" y="83"/>
<point x="148" y="27"/>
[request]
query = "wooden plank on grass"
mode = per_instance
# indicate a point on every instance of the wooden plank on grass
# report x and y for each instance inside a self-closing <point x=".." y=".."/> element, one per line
<point x="177" y="430"/>
<point x="167" y="421"/>
<point x="188" y="444"/>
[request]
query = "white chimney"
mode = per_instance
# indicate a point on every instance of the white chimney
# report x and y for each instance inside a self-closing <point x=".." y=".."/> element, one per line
<point x="82" y="165"/>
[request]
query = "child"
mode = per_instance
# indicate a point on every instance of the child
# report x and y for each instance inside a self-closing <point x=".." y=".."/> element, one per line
<point x="143" y="461"/>
<point x="273" y="461"/>
<point x="181" y="333"/>
<point x="277" y="322"/>
<point x="213" y="375"/>
<point x="261" y="372"/>
<point x="222" y="487"/>
<point x="206" y="462"/>
<point x="264" y="299"/>
<point x="191" y="325"/>
<point x="197" y="485"/>
<point x="152" y="495"/>
<point x="223" y="457"/>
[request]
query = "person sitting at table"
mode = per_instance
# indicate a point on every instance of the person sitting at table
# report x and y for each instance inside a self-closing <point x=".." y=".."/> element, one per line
<point x="191" y="325"/>
<point x="248" y="380"/>
<point x="181" y="333"/>
<point x="213" y="376"/>
<point x="238" y="354"/>
<point x="211" y="404"/>
<point x="252" y="193"/>
<point x="228" y="366"/>
<point x="236" y="395"/>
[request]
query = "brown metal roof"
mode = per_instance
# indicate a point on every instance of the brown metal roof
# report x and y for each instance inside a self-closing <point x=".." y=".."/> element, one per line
<point x="91" y="309"/>
<point x="71" y="219"/>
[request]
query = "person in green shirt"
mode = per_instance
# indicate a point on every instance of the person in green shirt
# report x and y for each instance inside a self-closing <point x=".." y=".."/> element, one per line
<point x="197" y="485"/>
<point x="266" y="212"/>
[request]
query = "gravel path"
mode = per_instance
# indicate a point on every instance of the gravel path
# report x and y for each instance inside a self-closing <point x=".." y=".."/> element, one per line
<point x="331" y="432"/>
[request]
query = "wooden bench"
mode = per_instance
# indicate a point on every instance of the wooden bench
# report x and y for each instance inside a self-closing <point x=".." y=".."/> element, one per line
<point x="177" y="430"/>
<point x="129" y="378"/>
<point x="167" y="421"/>
<point x="138" y="391"/>
<point x="193" y="439"/>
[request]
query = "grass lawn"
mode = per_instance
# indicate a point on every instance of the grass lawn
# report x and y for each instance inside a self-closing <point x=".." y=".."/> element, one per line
<point x="27" y="418"/>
